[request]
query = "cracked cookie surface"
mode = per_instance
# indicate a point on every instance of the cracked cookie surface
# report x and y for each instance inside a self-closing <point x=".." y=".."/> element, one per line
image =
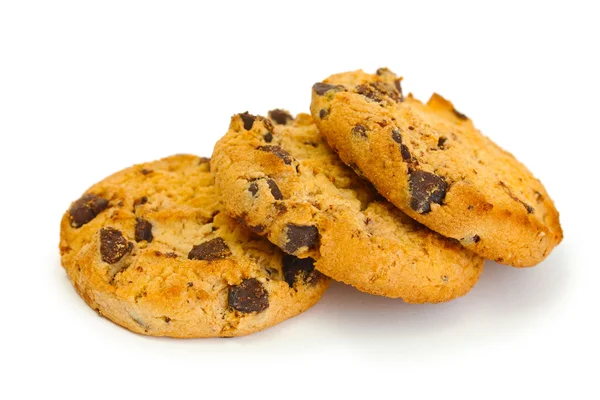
<point x="279" y="177"/>
<point x="149" y="249"/>
<point x="431" y="162"/>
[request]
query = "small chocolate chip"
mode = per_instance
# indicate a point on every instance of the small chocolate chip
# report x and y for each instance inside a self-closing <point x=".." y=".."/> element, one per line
<point x="476" y="239"/>
<point x="459" y="115"/>
<point x="530" y="210"/>
<point x="322" y="113"/>
<point x="356" y="170"/>
<point x="268" y="137"/>
<point x="295" y="268"/>
<point x="166" y="319"/>
<point x="279" y="152"/>
<point x="141" y="201"/>
<point x="248" y="120"/>
<point x="321" y="88"/>
<point x="299" y="236"/>
<point x="441" y="141"/>
<point x="397" y="136"/>
<point x="359" y="131"/>
<point x="406" y="156"/>
<point x="274" y="189"/>
<point x="143" y="230"/>
<point x="213" y="249"/>
<point x="86" y="209"/>
<point x="538" y="196"/>
<point x="113" y="245"/>
<point x="190" y="284"/>
<point x="203" y="160"/>
<point x="145" y="171"/>
<point x="426" y="188"/>
<point x="249" y="296"/>
<point x="280" y="117"/>
<point x="139" y="322"/>
<point x="412" y="128"/>
<point x="253" y="188"/>
<point x="171" y="254"/>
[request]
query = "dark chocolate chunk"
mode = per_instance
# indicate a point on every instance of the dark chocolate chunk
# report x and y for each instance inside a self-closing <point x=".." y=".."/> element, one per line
<point x="258" y="228"/>
<point x="387" y="90"/>
<point x="295" y="268"/>
<point x="459" y="115"/>
<point x="213" y="249"/>
<point x="253" y="188"/>
<point x="426" y="188"/>
<point x="113" y="245"/>
<point x="143" y="230"/>
<point x="274" y="189"/>
<point x="280" y="117"/>
<point x="322" y="113"/>
<point x="359" y="131"/>
<point x="248" y="120"/>
<point x="321" y="88"/>
<point x="279" y="152"/>
<point x="368" y="92"/>
<point x="85" y="209"/>
<point x="397" y="136"/>
<point x="268" y="137"/>
<point x="299" y="236"/>
<point x="476" y="239"/>
<point x="441" y="141"/>
<point x="382" y="71"/>
<point x="249" y="296"/>
<point x="406" y="156"/>
<point x="399" y="88"/>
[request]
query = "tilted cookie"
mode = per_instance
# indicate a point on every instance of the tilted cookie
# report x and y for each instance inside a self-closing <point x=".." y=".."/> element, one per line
<point x="432" y="163"/>
<point x="284" y="182"/>
<point x="148" y="248"/>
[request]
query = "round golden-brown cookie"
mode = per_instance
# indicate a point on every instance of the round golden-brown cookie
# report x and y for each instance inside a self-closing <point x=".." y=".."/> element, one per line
<point x="148" y="248"/>
<point x="279" y="177"/>
<point x="432" y="163"/>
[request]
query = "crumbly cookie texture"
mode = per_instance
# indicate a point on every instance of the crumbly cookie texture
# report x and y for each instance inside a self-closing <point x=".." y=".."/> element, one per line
<point x="149" y="249"/>
<point x="432" y="163"/>
<point x="279" y="177"/>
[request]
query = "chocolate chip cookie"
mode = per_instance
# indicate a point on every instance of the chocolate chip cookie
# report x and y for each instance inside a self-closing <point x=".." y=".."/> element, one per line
<point x="279" y="177"/>
<point x="431" y="162"/>
<point x="149" y="249"/>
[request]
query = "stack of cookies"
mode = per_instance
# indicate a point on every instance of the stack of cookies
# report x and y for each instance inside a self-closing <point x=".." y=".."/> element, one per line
<point x="382" y="192"/>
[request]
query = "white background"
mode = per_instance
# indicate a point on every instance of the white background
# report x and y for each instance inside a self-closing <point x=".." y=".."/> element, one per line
<point x="88" y="88"/>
